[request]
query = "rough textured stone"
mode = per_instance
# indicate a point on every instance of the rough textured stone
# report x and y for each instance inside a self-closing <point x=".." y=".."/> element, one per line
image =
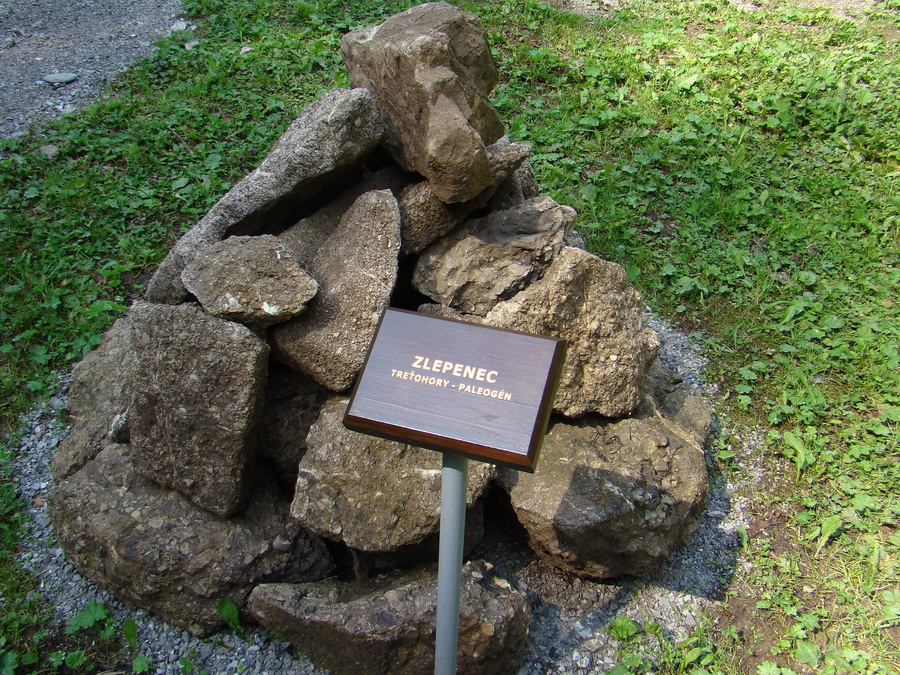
<point x="374" y="495"/>
<point x="519" y="187"/>
<point x="99" y="396"/>
<point x="387" y="626"/>
<point x="430" y="69"/>
<point x="309" y="234"/>
<point x="425" y="217"/>
<point x="293" y="401"/>
<point x="320" y="148"/>
<point x="198" y="388"/>
<point x="492" y="258"/>
<point x="356" y="269"/>
<point x="677" y="404"/>
<point x="590" y="303"/>
<point x="253" y="280"/>
<point x="614" y="498"/>
<point x="154" y="549"/>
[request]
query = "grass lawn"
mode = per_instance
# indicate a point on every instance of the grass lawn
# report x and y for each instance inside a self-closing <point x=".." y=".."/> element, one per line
<point x="742" y="165"/>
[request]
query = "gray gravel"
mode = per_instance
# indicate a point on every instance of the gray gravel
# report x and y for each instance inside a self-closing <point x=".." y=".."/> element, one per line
<point x="90" y="40"/>
<point x="568" y="623"/>
<point x="93" y="40"/>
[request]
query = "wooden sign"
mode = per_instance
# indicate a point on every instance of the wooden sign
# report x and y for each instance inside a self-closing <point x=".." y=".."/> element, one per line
<point x="482" y="392"/>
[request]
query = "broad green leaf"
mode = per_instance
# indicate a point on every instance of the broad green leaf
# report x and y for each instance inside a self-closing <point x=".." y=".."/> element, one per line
<point x="829" y="526"/>
<point x="807" y="652"/>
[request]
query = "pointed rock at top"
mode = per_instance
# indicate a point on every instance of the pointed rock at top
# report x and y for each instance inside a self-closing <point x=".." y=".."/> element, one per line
<point x="430" y="70"/>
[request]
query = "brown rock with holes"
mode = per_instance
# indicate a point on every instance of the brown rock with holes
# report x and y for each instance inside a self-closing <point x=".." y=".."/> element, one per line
<point x="321" y="148"/>
<point x="430" y="70"/>
<point x="490" y="259"/>
<point x="590" y="303"/>
<point x="387" y="625"/>
<point x="611" y="498"/>
<point x="374" y="495"/>
<point x="156" y="550"/>
<point x="198" y="390"/>
<point x="253" y="280"/>
<point x="356" y="269"/>
<point x="99" y="396"/>
<point x="425" y="217"/>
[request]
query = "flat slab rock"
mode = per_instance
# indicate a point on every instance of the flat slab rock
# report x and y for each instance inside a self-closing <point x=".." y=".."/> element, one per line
<point x="430" y="70"/>
<point x="387" y="625"/>
<point x="611" y="498"/>
<point x="156" y="550"/>
<point x="198" y="388"/>
<point x="321" y="147"/>
<point x="590" y="303"/>
<point x="356" y="269"/>
<point x="373" y="494"/>
<point x="253" y="280"/>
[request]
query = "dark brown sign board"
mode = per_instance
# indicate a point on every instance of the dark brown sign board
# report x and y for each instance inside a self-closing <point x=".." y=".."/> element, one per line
<point x="482" y="392"/>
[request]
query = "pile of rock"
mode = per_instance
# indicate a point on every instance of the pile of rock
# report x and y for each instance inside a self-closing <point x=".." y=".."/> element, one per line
<point x="207" y="458"/>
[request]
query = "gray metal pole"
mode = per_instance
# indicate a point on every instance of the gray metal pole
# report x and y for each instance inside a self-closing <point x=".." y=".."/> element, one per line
<point x="454" y="476"/>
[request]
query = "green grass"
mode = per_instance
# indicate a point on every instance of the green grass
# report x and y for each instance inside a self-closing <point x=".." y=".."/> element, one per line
<point x="742" y="166"/>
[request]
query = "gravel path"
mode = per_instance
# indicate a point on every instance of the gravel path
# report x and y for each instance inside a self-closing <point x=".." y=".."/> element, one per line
<point x="90" y="40"/>
<point x="95" y="39"/>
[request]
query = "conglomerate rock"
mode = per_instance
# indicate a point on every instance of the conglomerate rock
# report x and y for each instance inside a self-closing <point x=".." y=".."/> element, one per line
<point x="253" y="280"/>
<point x="387" y="625"/>
<point x="156" y="550"/>
<point x="430" y="70"/>
<point x="356" y="269"/>
<point x="611" y="498"/>
<point x="590" y="303"/>
<point x="373" y="494"/>
<point x="322" y="147"/>
<point x="490" y="259"/>
<point x="99" y="397"/>
<point x="198" y="387"/>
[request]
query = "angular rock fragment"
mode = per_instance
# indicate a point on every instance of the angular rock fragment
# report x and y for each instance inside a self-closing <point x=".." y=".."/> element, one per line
<point x="492" y="258"/>
<point x="309" y="234"/>
<point x="613" y="498"/>
<point x="677" y="404"/>
<point x="156" y="550"/>
<point x="590" y="303"/>
<point x="430" y="69"/>
<point x="374" y="495"/>
<point x="519" y="187"/>
<point x="356" y="269"/>
<point x="387" y="626"/>
<point x="322" y="146"/>
<point x="253" y="280"/>
<point x="99" y="396"/>
<point x="198" y="390"/>
<point x="425" y="217"/>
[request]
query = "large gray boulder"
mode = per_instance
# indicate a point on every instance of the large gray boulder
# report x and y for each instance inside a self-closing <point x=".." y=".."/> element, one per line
<point x="425" y="217"/>
<point x="490" y="259"/>
<point x="253" y="280"/>
<point x="612" y="498"/>
<point x="430" y="69"/>
<point x="324" y="145"/>
<point x="156" y="550"/>
<point x="99" y="397"/>
<point x="590" y="303"/>
<point x="356" y="269"/>
<point x="373" y="494"/>
<point x="198" y="387"/>
<point x="387" y="625"/>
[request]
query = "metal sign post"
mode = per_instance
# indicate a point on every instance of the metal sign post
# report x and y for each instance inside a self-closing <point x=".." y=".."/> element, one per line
<point x="466" y="390"/>
<point x="454" y="476"/>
